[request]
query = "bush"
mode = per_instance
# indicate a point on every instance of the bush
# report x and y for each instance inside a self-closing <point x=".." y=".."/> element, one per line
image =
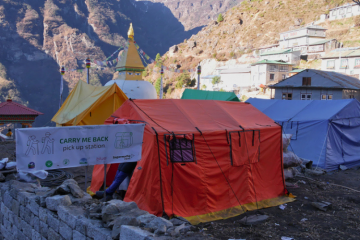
<point x="203" y="87"/>
<point x="157" y="85"/>
<point x="216" y="80"/>
<point x="220" y="18"/>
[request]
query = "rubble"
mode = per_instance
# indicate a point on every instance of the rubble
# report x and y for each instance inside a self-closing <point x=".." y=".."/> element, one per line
<point x="254" y="219"/>
<point x="52" y="203"/>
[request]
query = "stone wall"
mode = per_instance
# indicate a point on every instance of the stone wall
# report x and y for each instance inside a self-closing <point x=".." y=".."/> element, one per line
<point x="29" y="211"/>
<point x="22" y="217"/>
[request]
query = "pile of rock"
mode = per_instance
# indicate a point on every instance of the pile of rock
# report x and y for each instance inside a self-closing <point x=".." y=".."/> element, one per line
<point x="291" y="160"/>
<point x="126" y="219"/>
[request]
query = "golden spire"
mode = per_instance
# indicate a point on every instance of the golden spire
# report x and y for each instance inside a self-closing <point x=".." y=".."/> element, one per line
<point x="131" y="32"/>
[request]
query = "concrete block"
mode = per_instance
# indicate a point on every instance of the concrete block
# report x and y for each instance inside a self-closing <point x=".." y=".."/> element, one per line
<point x="21" y="235"/>
<point x="15" y="207"/>
<point x="95" y="232"/>
<point x="43" y="229"/>
<point x="52" y="203"/>
<point x="35" y="223"/>
<point x="11" y="217"/>
<point x="35" y="235"/>
<point x="5" y="233"/>
<point x="159" y="222"/>
<point x="1" y="217"/>
<point x="81" y="224"/>
<point x="7" y="225"/>
<point x="7" y="200"/>
<point x="25" y="214"/>
<point x="53" y="222"/>
<point x="26" y="228"/>
<point x="145" y="219"/>
<point x="78" y="236"/>
<point x="33" y="206"/>
<point x="5" y="211"/>
<point x="14" y="192"/>
<point x="69" y="215"/>
<point x="130" y="233"/>
<point x="16" y="221"/>
<point x="14" y="232"/>
<point x="23" y="197"/>
<point x="43" y="212"/>
<point x="65" y="231"/>
<point x="53" y="235"/>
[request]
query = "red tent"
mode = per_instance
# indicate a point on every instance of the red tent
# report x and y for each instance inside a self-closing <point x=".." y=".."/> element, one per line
<point x="204" y="160"/>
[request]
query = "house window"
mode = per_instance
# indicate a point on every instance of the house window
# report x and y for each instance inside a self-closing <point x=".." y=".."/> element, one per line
<point x="334" y="13"/>
<point x="287" y="96"/>
<point x="341" y="11"/>
<point x="283" y="68"/>
<point x="349" y="9"/>
<point x="330" y="64"/>
<point x="181" y="149"/>
<point x="283" y="76"/>
<point x="305" y="96"/>
<point x="272" y="77"/>
<point x="326" y="96"/>
<point x="273" y="68"/>
<point x="306" y="81"/>
<point x="344" y="63"/>
<point x="351" y="96"/>
<point x="357" y="63"/>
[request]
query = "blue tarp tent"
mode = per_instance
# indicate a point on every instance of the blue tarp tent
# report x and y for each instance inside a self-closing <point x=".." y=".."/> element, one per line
<point x="326" y="132"/>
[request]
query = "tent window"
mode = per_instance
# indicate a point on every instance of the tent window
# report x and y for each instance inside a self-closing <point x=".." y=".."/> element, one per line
<point x="182" y="150"/>
<point x="244" y="147"/>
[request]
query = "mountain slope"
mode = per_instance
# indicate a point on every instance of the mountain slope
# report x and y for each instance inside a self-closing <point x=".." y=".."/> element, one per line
<point x="37" y="36"/>
<point x="251" y="25"/>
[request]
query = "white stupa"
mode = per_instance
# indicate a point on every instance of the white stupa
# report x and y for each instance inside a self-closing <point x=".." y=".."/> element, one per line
<point x="130" y="68"/>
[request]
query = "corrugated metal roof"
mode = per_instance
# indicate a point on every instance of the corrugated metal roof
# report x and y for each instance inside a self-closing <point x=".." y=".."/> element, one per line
<point x="321" y="42"/>
<point x="235" y="70"/>
<point x="265" y="61"/>
<point x="12" y="108"/>
<point x="355" y="53"/>
<point x="297" y="70"/>
<point x="337" y="54"/>
<point x="210" y="76"/>
<point x="345" y="81"/>
<point x="282" y="51"/>
<point x="306" y="27"/>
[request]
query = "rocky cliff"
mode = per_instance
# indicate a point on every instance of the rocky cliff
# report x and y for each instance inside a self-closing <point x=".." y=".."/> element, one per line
<point x="36" y="36"/>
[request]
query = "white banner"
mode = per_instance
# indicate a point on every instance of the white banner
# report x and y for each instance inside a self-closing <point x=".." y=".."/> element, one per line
<point x="64" y="147"/>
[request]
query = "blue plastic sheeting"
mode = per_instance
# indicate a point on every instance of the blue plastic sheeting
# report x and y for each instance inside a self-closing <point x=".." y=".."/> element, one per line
<point x="326" y="132"/>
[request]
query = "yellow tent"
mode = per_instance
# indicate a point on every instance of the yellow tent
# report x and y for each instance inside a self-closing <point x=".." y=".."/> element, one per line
<point x="89" y="105"/>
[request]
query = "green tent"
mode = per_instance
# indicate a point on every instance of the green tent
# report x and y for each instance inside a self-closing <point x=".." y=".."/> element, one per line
<point x="209" y="95"/>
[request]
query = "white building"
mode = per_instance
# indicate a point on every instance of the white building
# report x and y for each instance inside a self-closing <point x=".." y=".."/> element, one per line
<point x="344" y="11"/>
<point x="285" y="55"/>
<point x="302" y="37"/>
<point x="268" y="72"/>
<point x="232" y="79"/>
<point x="346" y="61"/>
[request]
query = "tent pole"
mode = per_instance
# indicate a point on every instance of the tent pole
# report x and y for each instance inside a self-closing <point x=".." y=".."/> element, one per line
<point x="105" y="165"/>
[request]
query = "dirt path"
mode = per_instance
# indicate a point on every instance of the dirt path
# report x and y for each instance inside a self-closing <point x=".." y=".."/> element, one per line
<point x="300" y="220"/>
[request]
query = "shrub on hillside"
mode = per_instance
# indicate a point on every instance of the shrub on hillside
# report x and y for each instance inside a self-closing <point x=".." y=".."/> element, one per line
<point x="220" y="18"/>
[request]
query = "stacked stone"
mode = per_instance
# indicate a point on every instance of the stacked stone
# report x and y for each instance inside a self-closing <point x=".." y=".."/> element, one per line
<point x="22" y="217"/>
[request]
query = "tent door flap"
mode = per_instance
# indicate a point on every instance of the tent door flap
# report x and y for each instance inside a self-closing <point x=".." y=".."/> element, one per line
<point x="244" y="147"/>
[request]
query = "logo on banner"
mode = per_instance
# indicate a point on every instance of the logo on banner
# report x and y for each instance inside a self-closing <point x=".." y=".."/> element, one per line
<point x="66" y="162"/>
<point x="83" y="161"/>
<point x="49" y="163"/>
<point x="101" y="159"/>
<point x="31" y="165"/>
<point x="126" y="157"/>
<point x="33" y="145"/>
<point x="123" y="140"/>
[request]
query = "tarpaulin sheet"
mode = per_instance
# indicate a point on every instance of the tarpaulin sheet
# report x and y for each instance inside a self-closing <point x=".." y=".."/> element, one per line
<point x="326" y="132"/>
<point x="89" y="105"/>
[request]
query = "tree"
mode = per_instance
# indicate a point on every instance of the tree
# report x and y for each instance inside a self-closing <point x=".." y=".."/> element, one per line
<point x="357" y="1"/>
<point x="158" y="85"/>
<point x="158" y="60"/>
<point x="220" y="18"/>
<point x="216" y="80"/>
<point x="203" y="87"/>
